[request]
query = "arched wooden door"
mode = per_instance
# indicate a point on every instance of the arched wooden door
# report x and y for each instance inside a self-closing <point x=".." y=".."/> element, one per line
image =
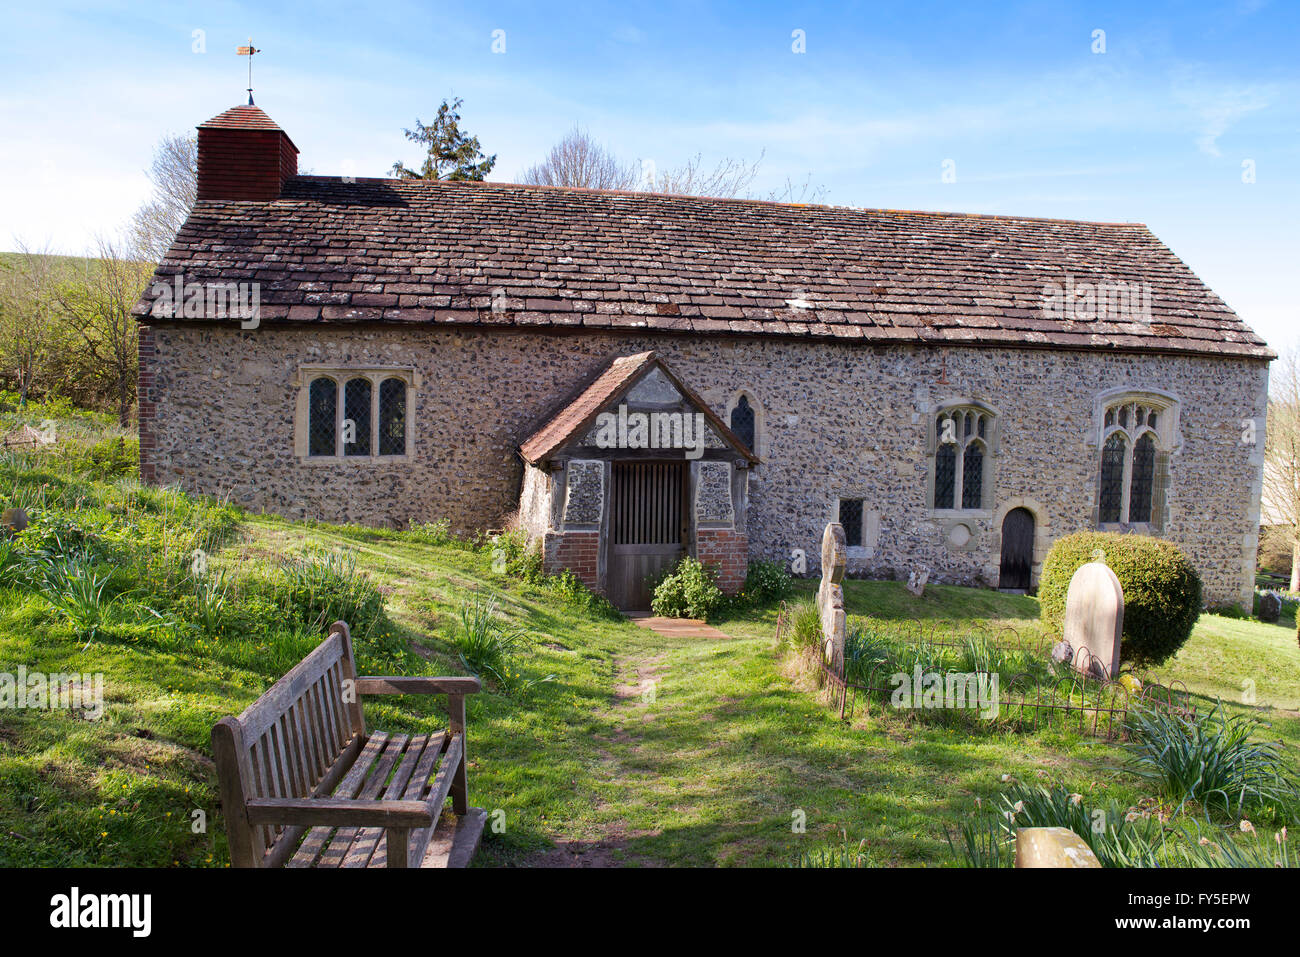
<point x="1017" y="550"/>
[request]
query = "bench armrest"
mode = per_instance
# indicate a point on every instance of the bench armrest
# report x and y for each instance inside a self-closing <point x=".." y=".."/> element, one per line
<point x="339" y="812"/>
<point x="372" y="684"/>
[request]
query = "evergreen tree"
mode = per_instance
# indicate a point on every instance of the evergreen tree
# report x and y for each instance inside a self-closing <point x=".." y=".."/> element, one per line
<point x="451" y="154"/>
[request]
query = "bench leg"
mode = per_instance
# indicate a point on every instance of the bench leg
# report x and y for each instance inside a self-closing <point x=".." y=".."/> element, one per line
<point x="398" y="846"/>
<point x="459" y="780"/>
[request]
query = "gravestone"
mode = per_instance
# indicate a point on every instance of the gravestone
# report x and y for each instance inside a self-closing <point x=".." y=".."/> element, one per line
<point x="1052" y="847"/>
<point x="1270" y="607"/>
<point x="1062" y="652"/>
<point x="830" y="596"/>
<point x="1094" y="618"/>
<point x="14" y="520"/>
<point x="916" y="581"/>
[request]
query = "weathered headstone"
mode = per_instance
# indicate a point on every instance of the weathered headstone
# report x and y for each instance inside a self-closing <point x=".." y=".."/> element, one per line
<point x="1052" y="847"/>
<point x="830" y="596"/>
<point x="1094" y="618"/>
<point x="14" y="520"/>
<point x="1270" y="607"/>
<point x="916" y="581"/>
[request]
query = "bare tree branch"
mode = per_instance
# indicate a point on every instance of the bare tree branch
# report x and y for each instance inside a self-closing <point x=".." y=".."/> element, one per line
<point x="174" y="174"/>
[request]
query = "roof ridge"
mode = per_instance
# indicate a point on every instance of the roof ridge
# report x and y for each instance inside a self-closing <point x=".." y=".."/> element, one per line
<point x="739" y="200"/>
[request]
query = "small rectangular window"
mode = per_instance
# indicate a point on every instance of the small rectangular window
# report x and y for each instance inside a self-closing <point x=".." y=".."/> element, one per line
<point x="851" y="519"/>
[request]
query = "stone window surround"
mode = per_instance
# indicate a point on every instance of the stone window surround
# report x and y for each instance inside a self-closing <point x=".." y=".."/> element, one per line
<point x="341" y="374"/>
<point x="870" y="521"/>
<point x="992" y="449"/>
<point x="1169" y="441"/>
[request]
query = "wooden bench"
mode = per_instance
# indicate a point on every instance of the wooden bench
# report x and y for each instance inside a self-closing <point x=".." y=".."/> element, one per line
<point x="304" y="785"/>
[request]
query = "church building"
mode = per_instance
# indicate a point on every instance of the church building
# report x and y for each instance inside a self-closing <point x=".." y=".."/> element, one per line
<point x="635" y="377"/>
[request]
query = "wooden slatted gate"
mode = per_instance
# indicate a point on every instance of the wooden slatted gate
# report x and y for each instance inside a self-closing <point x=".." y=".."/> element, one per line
<point x="647" y="528"/>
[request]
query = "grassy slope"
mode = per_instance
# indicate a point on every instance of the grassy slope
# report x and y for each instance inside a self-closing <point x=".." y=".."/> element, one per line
<point x="713" y="768"/>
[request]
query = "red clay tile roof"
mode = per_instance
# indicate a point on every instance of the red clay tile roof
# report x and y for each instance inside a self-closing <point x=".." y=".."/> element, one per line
<point x="241" y="118"/>
<point x="577" y="416"/>
<point x="434" y="252"/>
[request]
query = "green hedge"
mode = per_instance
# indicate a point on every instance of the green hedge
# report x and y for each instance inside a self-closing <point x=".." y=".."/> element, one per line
<point x="1162" y="591"/>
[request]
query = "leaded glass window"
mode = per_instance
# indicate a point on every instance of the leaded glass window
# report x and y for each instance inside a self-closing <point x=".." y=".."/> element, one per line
<point x="851" y="519"/>
<point x="322" y="404"/>
<point x="392" y="417"/>
<point x="945" y="475"/>
<point x="972" y="485"/>
<point x="1129" y="461"/>
<point x="356" y="417"/>
<point x="742" y="422"/>
<point x="1144" y="471"/>
<point x="961" y="456"/>
<point x="1112" y="477"/>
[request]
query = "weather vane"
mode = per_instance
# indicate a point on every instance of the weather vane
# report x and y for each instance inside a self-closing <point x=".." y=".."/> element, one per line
<point x="248" y="51"/>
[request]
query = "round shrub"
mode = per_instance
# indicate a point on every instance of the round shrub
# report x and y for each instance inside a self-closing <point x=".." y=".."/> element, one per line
<point x="1162" y="591"/>
<point x="688" y="590"/>
<point x="767" y="582"/>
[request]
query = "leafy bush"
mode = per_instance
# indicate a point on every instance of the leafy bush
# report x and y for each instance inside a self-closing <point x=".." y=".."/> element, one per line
<point x="573" y="592"/>
<point x="514" y="557"/>
<point x="1211" y="759"/>
<point x="105" y="459"/>
<point x="433" y="533"/>
<point x="688" y="590"/>
<point x="1162" y="591"/>
<point x="767" y="582"/>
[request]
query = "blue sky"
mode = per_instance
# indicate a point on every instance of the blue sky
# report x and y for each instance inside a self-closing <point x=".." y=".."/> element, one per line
<point x="1156" y="129"/>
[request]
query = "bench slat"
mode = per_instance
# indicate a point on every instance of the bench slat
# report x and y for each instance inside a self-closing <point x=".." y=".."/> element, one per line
<point x="347" y="788"/>
<point x="366" y="844"/>
<point x="420" y="837"/>
<point x="338" y="848"/>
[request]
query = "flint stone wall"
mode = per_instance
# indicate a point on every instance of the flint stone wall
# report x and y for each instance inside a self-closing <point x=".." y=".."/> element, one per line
<point x="838" y="420"/>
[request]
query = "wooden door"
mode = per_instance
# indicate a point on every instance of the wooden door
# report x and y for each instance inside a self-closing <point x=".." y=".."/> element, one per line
<point x="1017" y="550"/>
<point x="646" y="528"/>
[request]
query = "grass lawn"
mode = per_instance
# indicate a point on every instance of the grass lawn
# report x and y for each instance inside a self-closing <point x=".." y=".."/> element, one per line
<point x="640" y="750"/>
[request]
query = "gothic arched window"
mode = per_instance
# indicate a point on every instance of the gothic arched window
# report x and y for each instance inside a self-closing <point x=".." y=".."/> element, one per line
<point x="1133" y="463"/>
<point x="742" y="422"/>
<point x="962" y="439"/>
<point x="1113" y="455"/>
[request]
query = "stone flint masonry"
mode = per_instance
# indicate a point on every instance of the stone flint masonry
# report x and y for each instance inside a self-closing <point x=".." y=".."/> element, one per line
<point x="956" y="391"/>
